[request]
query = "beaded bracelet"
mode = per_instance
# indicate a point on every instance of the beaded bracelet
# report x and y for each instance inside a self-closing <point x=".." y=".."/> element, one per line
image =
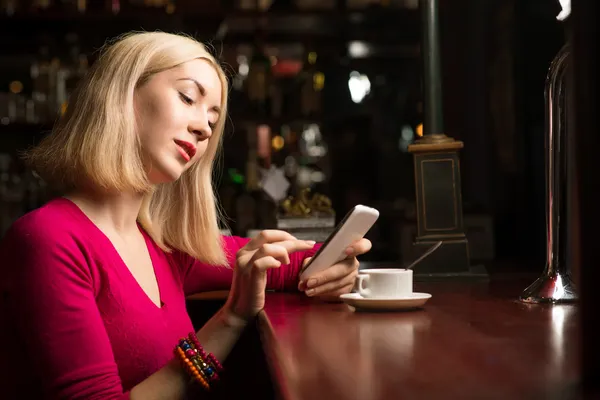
<point x="202" y="367"/>
<point x="190" y="368"/>
<point x="208" y="357"/>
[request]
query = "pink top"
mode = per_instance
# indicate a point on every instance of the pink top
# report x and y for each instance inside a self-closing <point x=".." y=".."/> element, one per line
<point x="74" y="322"/>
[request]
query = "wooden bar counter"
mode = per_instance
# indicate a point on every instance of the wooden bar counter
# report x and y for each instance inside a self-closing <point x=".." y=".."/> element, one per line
<point x="470" y="341"/>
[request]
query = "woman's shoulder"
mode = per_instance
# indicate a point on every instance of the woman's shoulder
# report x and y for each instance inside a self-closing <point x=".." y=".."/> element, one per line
<point x="46" y="243"/>
<point x="50" y="223"/>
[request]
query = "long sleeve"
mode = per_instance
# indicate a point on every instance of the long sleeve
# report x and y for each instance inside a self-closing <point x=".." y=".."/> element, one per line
<point x="49" y="304"/>
<point x="200" y="277"/>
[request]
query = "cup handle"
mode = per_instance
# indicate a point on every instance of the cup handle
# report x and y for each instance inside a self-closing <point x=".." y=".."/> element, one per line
<point x="360" y="286"/>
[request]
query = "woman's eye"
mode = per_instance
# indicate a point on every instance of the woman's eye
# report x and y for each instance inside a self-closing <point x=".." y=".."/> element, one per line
<point x="186" y="99"/>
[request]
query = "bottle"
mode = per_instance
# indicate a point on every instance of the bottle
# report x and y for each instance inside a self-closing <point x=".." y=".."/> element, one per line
<point x="73" y="69"/>
<point x="313" y="81"/>
<point x="39" y="72"/>
<point x="259" y="81"/>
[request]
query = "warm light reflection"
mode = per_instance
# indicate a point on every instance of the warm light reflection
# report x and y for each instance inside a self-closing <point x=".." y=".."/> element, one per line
<point x="277" y="142"/>
<point x="419" y="130"/>
<point x="263" y="133"/>
<point x="15" y="87"/>
<point x="344" y="350"/>
<point x="318" y="81"/>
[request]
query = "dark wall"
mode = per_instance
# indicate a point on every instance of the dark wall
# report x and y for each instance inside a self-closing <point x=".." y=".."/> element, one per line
<point x="496" y="55"/>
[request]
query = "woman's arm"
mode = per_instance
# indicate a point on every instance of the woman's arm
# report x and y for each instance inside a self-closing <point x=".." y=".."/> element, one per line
<point x="199" y="277"/>
<point x="222" y="331"/>
<point x="49" y="287"/>
<point x="217" y="336"/>
<point x="53" y="314"/>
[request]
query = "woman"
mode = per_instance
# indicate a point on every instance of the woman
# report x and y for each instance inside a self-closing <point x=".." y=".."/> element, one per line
<point x="94" y="282"/>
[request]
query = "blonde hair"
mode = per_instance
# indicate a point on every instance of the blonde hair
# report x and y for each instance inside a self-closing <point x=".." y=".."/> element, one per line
<point x="94" y="144"/>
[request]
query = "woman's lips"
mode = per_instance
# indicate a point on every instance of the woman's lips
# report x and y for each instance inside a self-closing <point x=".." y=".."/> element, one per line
<point x="186" y="149"/>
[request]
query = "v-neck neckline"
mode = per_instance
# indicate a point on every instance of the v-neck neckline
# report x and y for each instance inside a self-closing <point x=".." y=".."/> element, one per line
<point x="149" y="248"/>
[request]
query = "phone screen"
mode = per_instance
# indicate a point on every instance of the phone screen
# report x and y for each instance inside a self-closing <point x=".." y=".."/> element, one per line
<point x="331" y="236"/>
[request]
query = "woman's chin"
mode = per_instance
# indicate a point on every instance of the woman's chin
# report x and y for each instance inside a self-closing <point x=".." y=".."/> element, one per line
<point x="166" y="174"/>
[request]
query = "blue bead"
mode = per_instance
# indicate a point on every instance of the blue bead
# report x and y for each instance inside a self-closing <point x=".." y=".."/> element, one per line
<point x="209" y="370"/>
<point x="186" y="346"/>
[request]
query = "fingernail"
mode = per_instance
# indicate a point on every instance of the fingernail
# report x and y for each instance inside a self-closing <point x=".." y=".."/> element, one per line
<point x="310" y="292"/>
<point x="349" y="250"/>
<point x="310" y="242"/>
<point x="300" y="285"/>
<point x="311" y="283"/>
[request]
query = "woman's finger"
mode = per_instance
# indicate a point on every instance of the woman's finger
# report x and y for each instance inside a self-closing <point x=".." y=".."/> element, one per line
<point x="264" y="263"/>
<point x="359" y="247"/>
<point x="272" y="250"/>
<point x="333" y="273"/>
<point x="281" y="250"/>
<point x="268" y="236"/>
<point x="296" y="245"/>
<point x="335" y="285"/>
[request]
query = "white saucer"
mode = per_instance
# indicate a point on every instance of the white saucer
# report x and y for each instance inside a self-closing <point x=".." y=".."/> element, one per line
<point x="415" y="300"/>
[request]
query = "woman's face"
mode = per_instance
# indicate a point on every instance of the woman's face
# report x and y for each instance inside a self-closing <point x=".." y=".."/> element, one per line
<point x="176" y="112"/>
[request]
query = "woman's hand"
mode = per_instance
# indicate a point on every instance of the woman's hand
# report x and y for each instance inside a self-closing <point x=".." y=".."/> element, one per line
<point x="339" y="278"/>
<point x="269" y="249"/>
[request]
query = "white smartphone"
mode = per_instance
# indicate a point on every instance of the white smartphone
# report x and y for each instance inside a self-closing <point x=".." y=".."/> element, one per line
<point x="353" y="227"/>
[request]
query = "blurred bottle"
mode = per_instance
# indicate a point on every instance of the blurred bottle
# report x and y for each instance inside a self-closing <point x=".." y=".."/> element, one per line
<point x="40" y="5"/>
<point x="8" y="7"/>
<point x="313" y="82"/>
<point x="12" y="193"/>
<point x="40" y="78"/>
<point x="259" y="81"/>
<point x="72" y="70"/>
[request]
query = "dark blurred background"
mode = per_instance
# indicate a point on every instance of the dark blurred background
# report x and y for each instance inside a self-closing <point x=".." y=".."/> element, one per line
<point x="330" y="91"/>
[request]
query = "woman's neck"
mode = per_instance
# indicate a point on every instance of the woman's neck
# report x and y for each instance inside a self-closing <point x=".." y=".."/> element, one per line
<point x="110" y="212"/>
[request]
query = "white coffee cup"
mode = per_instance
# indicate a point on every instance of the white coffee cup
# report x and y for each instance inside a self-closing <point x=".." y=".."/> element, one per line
<point x="385" y="283"/>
